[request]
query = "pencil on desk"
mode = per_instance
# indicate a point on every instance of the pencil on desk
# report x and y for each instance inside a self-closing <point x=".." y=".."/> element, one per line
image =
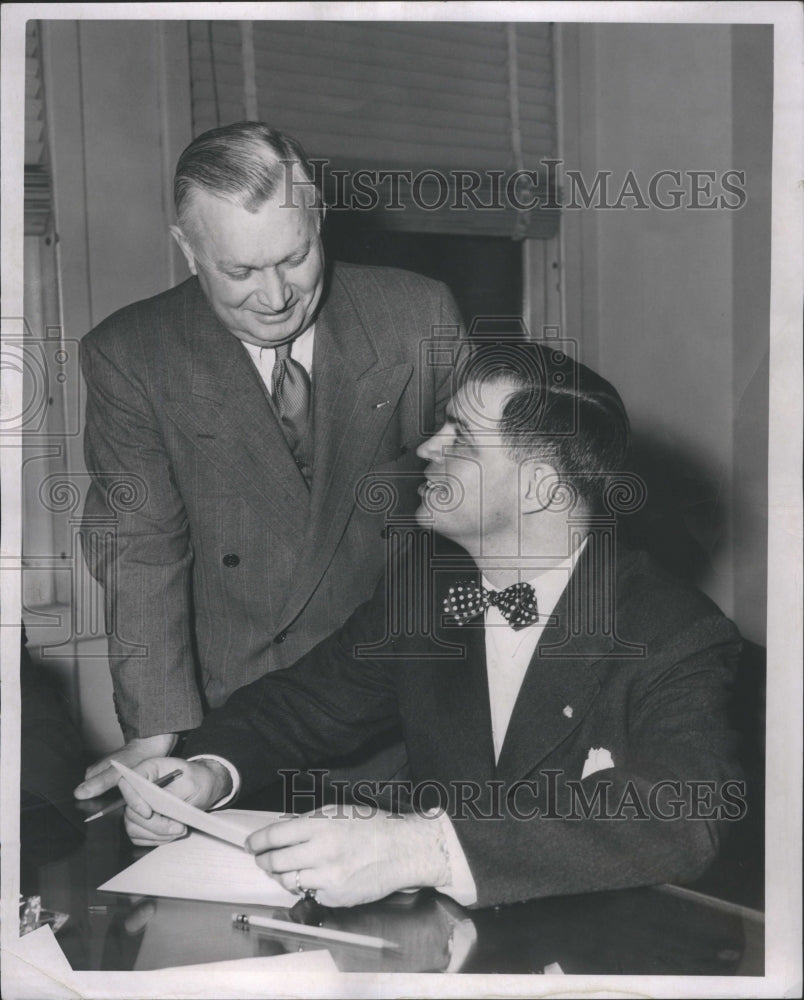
<point x="325" y="933"/>
<point x="163" y="782"/>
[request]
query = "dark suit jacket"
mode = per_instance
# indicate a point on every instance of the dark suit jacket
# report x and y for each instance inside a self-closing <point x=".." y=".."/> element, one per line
<point x="224" y="565"/>
<point x="51" y="765"/>
<point x="652" y="691"/>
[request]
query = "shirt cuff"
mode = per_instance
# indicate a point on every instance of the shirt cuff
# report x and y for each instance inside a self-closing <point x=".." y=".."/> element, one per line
<point x="460" y="884"/>
<point x="233" y="774"/>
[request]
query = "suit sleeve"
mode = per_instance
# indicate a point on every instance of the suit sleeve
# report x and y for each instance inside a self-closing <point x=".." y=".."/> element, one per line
<point x="325" y="706"/>
<point x="655" y="817"/>
<point x="136" y="542"/>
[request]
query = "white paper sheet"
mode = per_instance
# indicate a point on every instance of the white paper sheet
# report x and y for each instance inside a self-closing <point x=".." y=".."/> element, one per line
<point x="302" y="974"/>
<point x="162" y="801"/>
<point x="202" y="867"/>
<point x="292" y="961"/>
<point x="42" y="950"/>
<point x="38" y="969"/>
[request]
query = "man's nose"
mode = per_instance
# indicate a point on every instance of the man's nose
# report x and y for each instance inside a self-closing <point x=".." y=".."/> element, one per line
<point x="273" y="293"/>
<point x="431" y="449"/>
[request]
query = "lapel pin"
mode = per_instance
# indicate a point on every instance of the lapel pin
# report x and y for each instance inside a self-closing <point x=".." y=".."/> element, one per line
<point x="379" y="406"/>
<point x="567" y="710"/>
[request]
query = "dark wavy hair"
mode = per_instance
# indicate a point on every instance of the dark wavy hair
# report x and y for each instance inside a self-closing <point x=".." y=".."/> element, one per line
<point x="562" y="411"/>
<point x="245" y="162"/>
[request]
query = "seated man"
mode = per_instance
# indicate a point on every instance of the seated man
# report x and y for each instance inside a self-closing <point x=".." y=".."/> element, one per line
<point x="565" y="721"/>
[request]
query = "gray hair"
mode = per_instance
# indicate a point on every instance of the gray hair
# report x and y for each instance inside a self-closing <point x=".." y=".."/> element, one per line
<point x="246" y="162"/>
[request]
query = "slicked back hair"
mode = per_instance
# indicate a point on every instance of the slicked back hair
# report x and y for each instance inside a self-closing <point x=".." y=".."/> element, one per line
<point x="248" y="163"/>
<point x="562" y="412"/>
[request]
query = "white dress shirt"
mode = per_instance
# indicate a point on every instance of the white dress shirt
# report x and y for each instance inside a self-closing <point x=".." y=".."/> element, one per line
<point x="264" y="358"/>
<point x="508" y="652"/>
<point x="508" y="655"/>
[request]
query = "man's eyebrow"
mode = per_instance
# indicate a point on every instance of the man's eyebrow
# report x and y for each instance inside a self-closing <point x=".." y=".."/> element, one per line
<point x="226" y="264"/>
<point x="454" y="418"/>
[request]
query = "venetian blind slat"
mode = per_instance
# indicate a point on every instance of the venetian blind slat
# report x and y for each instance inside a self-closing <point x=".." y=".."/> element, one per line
<point x="407" y="95"/>
<point x="38" y="199"/>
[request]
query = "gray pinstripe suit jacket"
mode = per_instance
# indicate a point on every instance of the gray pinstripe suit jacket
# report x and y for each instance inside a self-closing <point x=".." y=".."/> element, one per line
<point x="226" y="566"/>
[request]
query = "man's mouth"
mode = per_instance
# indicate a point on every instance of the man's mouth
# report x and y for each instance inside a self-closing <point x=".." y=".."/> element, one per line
<point x="429" y="487"/>
<point x="441" y="494"/>
<point x="274" y="317"/>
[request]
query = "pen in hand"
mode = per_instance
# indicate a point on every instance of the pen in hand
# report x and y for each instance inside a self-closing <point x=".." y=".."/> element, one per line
<point x="162" y="782"/>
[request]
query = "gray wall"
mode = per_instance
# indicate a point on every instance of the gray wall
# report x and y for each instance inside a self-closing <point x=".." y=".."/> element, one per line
<point x="673" y="306"/>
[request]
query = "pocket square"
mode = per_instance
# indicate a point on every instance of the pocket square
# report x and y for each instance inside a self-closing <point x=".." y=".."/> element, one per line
<point x="598" y="759"/>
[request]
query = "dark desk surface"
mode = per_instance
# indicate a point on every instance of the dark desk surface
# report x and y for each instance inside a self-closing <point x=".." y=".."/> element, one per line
<point x="651" y="931"/>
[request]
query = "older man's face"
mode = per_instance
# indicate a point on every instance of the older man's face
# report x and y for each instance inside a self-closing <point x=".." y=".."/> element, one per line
<point x="262" y="271"/>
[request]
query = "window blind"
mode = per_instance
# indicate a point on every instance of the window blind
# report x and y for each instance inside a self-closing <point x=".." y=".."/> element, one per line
<point x="462" y="113"/>
<point x="37" y="176"/>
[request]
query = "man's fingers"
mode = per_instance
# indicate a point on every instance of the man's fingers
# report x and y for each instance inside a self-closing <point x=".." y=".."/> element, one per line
<point x="98" y="767"/>
<point x="135" y="803"/>
<point x="283" y="833"/>
<point x="97" y="784"/>
<point x="155" y="829"/>
<point x="139" y="917"/>
<point x="125" y="755"/>
<point x="101" y="776"/>
<point x="286" y="859"/>
<point x="151" y="769"/>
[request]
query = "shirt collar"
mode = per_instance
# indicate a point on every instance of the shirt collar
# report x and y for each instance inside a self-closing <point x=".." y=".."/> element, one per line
<point x="300" y="348"/>
<point x="549" y="584"/>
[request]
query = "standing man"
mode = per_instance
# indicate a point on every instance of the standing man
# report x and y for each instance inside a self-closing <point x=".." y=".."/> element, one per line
<point x="242" y="408"/>
<point x="563" y="702"/>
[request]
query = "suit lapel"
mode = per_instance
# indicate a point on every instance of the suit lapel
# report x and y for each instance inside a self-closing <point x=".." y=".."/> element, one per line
<point x="233" y="424"/>
<point x="461" y="694"/>
<point x="353" y="402"/>
<point x="561" y="682"/>
<point x="460" y="686"/>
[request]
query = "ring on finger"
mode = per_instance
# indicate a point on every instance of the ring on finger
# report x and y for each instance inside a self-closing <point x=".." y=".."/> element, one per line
<point x="299" y="887"/>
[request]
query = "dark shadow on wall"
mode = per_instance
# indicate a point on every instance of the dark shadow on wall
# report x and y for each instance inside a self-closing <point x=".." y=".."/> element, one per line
<point x="682" y="523"/>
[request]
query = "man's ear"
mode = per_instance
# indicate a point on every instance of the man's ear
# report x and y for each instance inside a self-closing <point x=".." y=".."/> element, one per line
<point x="540" y="486"/>
<point x="184" y="246"/>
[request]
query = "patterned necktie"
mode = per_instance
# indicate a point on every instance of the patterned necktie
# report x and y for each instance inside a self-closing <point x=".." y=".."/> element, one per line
<point x="517" y="603"/>
<point x="291" y="390"/>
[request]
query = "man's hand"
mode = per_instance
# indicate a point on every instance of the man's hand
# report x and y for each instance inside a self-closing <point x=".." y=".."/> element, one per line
<point x="101" y="776"/>
<point x="351" y="859"/>
<point x="202" y="783"/>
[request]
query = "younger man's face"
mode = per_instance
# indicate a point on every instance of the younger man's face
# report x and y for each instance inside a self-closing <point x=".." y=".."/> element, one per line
<point x="472" y="488"/>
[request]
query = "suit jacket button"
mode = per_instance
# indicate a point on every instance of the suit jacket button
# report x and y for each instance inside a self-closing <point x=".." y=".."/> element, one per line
<point x="231" y="560"/>
<point x="280" y="638"/>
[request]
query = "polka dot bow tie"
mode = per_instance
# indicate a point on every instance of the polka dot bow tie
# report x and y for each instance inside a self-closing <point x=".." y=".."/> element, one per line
<point x="517" y="603"/>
